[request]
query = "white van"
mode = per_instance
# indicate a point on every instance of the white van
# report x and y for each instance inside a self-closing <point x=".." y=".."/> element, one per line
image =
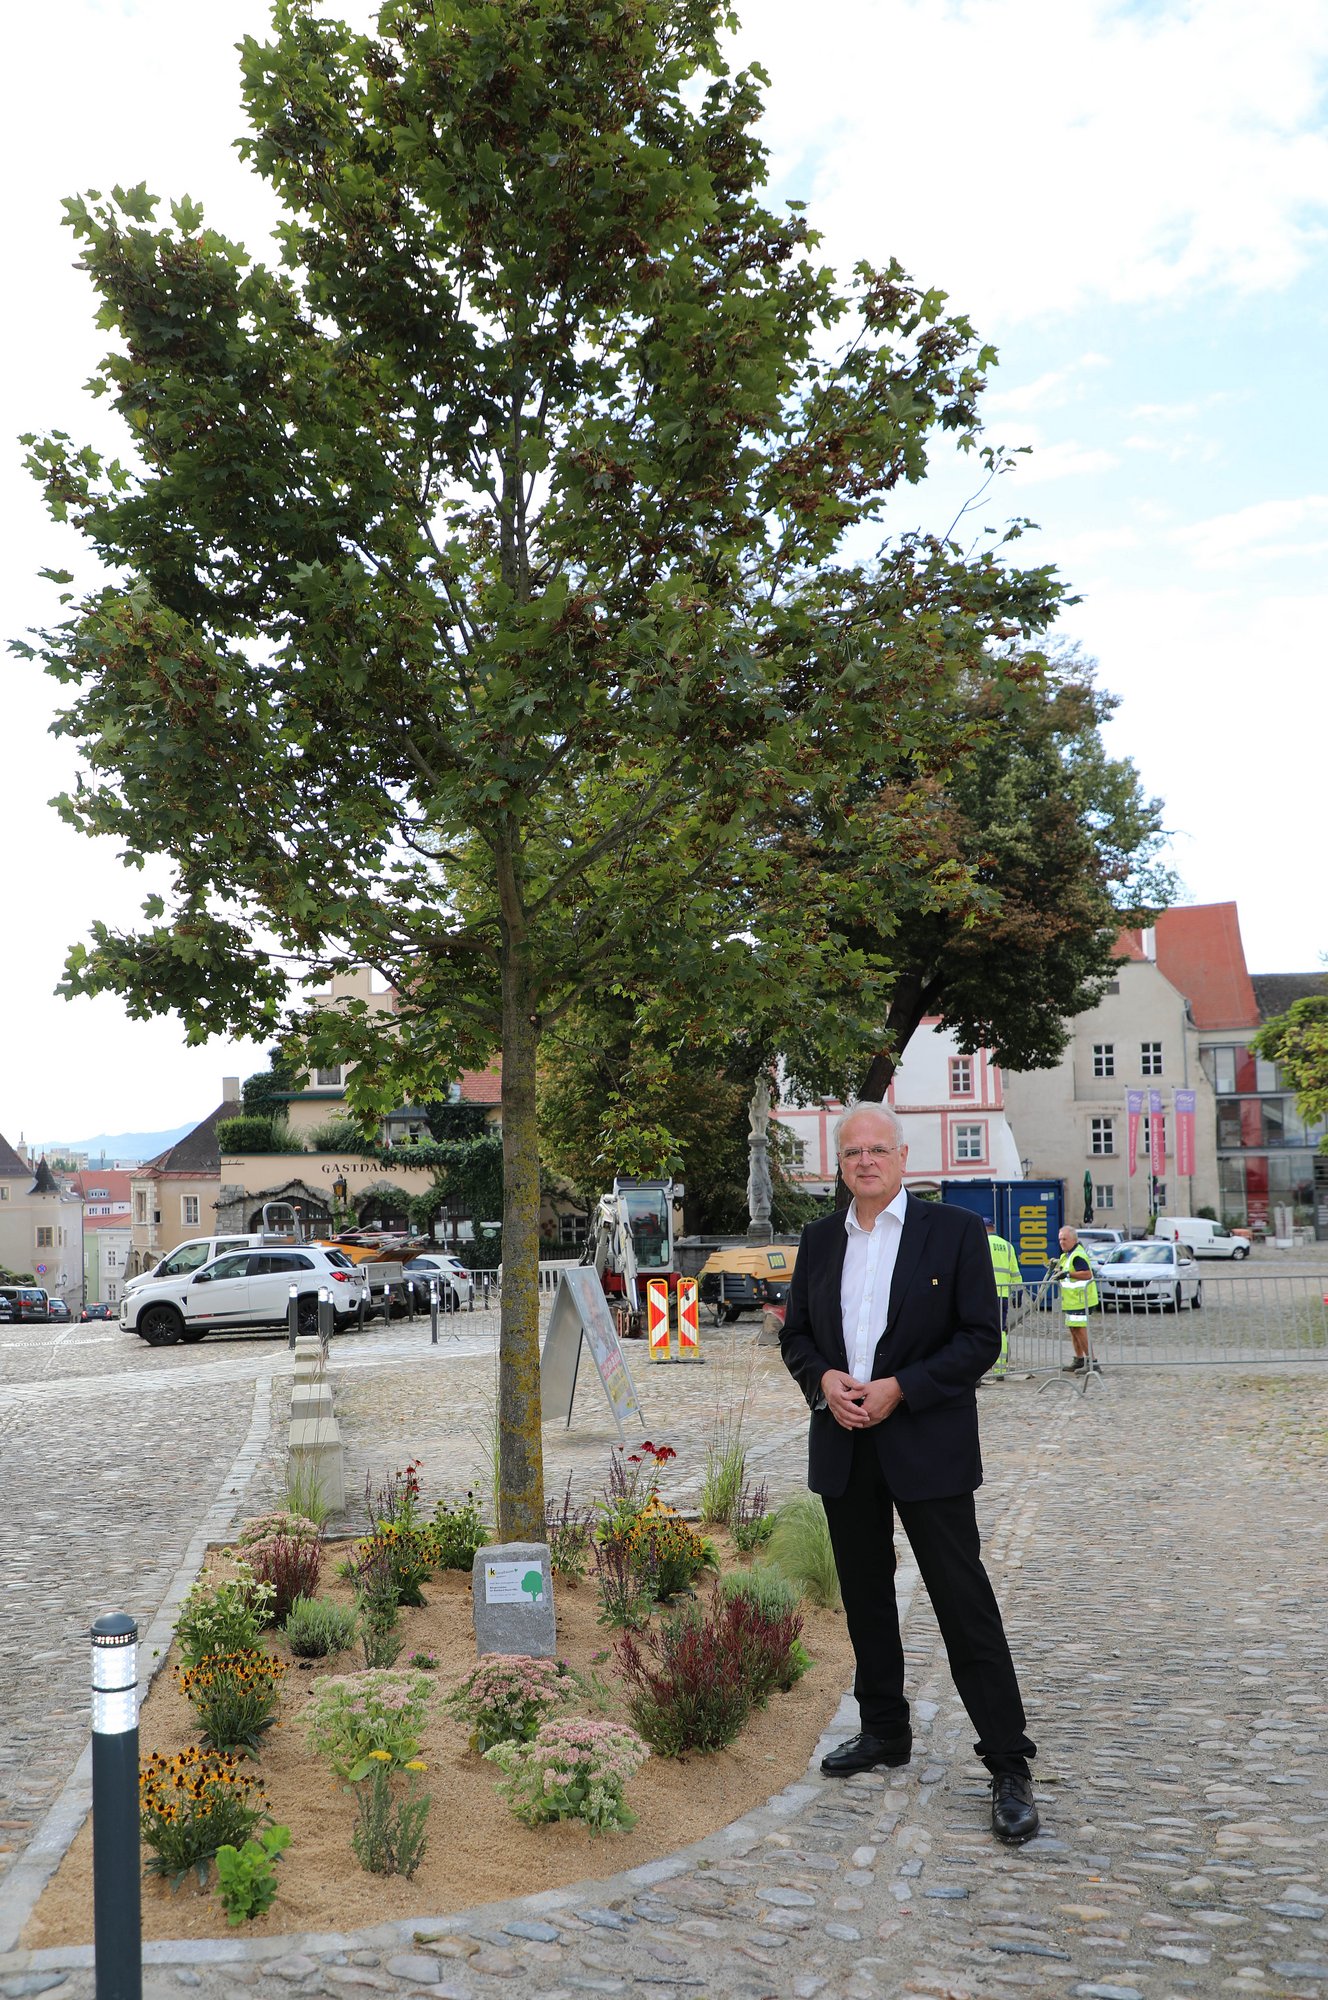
<point x="1206" y="1239"/>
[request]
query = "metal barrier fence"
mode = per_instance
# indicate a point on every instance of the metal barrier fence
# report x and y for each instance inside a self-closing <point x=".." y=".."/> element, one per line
<point x="1240" y="1318"/>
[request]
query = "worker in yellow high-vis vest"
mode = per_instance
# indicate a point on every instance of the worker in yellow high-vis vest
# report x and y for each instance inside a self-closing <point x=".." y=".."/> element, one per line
<point x="1074" y="1269"/>
<point x="1008" y="1276"/>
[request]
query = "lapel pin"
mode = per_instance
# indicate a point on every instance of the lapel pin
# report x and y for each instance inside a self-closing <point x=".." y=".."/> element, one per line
<point x="936" y="1281"/>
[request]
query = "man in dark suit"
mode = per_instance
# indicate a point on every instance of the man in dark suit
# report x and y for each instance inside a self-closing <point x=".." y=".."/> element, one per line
<point x="892" y="1321"/>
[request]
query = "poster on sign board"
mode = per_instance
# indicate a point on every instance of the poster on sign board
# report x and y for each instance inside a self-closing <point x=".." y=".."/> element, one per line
<point x="581" y="1315"/>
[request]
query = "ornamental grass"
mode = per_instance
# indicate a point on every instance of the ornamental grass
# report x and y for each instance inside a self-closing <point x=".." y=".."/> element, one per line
<point x="193" y="1803"/>
<point x="234" y="1696"/>
<point x="290" y="1565"/>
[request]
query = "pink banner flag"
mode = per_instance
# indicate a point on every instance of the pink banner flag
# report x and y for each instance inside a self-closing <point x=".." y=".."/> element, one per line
<point x="1134" y="1104"/>
<point x="1157" y="1136"/>
<point x="1184" y="1101"/>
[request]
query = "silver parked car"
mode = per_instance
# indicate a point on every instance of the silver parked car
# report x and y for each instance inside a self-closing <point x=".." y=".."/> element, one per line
<point x="1136" y="1277"/>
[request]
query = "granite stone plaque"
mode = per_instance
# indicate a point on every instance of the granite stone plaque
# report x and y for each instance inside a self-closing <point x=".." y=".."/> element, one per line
<point x="512" y="1594"/>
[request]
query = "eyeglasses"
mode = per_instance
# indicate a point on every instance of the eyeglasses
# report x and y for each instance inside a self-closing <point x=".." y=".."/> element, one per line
<point x="853" y="1153"/>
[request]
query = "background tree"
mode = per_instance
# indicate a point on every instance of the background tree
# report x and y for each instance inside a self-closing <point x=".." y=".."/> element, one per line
<point x="1297" y="1042"/>
<point x="1056" y="845"/>
<point x="479" y="569"/>
<point x="620" y="1095"/>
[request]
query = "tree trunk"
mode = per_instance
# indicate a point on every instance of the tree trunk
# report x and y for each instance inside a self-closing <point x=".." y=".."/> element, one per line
<point x="520" y="1498"/>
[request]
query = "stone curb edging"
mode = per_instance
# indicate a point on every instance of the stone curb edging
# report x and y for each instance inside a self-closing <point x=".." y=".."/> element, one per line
<point x="737" y="1838"/>
<point x="47" y="1849"/>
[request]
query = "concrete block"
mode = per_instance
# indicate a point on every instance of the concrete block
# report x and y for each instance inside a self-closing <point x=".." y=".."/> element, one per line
<point x="512" y="1595"/>
<point x="310" y="1400"/>
<point x="315" y="1444"/>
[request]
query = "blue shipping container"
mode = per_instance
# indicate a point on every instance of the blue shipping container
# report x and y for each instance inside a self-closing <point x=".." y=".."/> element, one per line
<point x="1027" y="1214"/>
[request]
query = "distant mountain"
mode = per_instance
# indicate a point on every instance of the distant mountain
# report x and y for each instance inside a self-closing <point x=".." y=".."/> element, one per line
<point x="138" y="1146"/>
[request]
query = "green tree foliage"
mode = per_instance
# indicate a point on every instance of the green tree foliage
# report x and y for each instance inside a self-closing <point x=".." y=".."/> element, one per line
<point x="619" y="1096"/>
<point x="1057" y="844"/>
<point x="480" y="570"/>
<point x="1297" y="1042"/>
<point x="266" y="1092"/>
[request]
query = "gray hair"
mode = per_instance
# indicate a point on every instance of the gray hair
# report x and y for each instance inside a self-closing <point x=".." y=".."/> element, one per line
<point x="860" y="1110"/>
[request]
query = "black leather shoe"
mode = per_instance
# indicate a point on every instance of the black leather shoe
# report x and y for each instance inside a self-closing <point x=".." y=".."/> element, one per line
<point x="1014" y="1815"/>
<point x="1076" y="1366"/>
<point x="864" y="1753"/>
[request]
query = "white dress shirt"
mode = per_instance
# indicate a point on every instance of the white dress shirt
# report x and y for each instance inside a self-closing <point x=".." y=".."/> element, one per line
<point x="864" y="1289"/>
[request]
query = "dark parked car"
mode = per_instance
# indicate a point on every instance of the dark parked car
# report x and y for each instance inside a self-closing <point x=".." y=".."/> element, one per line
<point x="97" y="1312"/>
<point x="28" y="1303"/>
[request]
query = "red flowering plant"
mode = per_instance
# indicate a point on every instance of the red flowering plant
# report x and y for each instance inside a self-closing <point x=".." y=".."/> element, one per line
<point x="631" y="1487"/>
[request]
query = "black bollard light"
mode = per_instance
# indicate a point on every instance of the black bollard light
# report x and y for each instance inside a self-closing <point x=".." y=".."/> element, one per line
<point x="433" y="1311"/>
<point x="293" y="1316"/>
<point x="117" y="1905"/>
<point x="326" y="1316"/>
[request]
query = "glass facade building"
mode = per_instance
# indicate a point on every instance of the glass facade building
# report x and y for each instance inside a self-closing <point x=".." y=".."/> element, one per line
<point x="1265" y="1149"/>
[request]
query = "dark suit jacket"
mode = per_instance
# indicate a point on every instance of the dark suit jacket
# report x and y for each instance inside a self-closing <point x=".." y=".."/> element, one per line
<point x="943" y="1333"/>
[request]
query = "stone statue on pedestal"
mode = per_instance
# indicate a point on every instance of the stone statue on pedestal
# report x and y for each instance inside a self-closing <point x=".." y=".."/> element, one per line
<point x="759" y="1191"/>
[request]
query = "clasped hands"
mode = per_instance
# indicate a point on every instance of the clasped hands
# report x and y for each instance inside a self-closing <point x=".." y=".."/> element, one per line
<point x="855" y="1405"/>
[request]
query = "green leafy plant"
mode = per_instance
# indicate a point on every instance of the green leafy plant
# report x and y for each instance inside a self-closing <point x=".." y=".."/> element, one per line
<point x="316" y="1627"/>
<point x="506" y="1697"/>
<point x="425" y="1663"/>
<point x="457" y="1533"/>
<point x="234" y="1696"/>
<point x="799" y="1545"/>
<point x="247" y="1876"/>
<point x="394" y="1560"/>
<point x="391" y="1814"/>
<point x="624" y="1584"/>
<point x="666" y="1553"/>
<point x="751" y="1524"/>
<point x="226" y="1617"/>
<point x="193" y="1803"/>
<point x="573" y="1768"/>
<point x="351" y="1716"/>
<point x="257" y="1135"/>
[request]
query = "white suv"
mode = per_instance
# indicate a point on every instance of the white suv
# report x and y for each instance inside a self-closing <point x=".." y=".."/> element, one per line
<point x="245" y="1288"/>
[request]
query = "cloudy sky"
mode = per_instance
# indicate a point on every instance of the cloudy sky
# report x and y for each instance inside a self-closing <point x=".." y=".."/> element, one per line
<point x="1129" y="199"/>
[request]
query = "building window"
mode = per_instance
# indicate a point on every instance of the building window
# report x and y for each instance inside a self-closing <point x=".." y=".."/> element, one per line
<point x="327" y="1077"/>
<point x="968" y="1142"/>
<point x="1104" y="1195"/>
<point x="1150" y="1058"/>
<point x="1146" y="1137"/>
<point x="1101" y="1135"/>
<point x="111" y="1259"/>
<point x="4" y="1194"/>
<point x="1104" y="1059"/>
<point x="961" y="1076"/>
<point x="794" y="1151"/>
<point x="140" y="1205"/>
<point x="571" y="1230"/>
<point x="46" y="1239"/>
<point x="189" y="1210"/>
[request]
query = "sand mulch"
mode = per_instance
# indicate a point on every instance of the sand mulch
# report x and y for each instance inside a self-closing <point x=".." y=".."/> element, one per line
<point x="478" y="1852"/>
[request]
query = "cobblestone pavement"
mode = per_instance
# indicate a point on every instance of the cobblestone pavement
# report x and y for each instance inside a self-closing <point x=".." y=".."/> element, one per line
<point x="1160" y="1553"/>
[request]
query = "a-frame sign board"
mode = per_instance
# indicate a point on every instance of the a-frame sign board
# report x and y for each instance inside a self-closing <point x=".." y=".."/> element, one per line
<point x="581" y="1314"/>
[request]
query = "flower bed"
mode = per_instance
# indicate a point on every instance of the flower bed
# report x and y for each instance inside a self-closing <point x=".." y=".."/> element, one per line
<point x="479" y="1852"/>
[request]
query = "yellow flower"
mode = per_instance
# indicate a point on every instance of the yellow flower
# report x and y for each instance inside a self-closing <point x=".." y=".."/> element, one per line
<point x="381" y="1756"/>
<point x="417" y="1764"/>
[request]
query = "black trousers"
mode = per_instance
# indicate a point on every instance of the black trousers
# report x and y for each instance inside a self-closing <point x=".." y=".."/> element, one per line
<point x="944" y="1538"/>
